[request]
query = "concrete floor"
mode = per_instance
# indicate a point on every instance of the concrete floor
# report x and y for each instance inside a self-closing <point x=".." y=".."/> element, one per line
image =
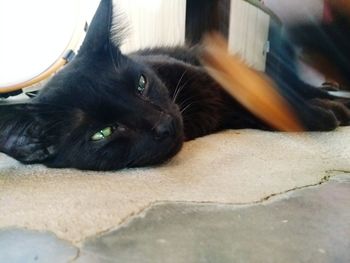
<point x="236" y="196"/>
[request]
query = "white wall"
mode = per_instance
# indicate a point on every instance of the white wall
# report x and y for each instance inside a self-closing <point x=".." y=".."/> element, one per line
<point x="152" y="23"/>
<point x="249" y="27"/>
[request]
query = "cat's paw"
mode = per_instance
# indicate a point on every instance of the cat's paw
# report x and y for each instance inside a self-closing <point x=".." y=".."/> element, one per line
<point x="323" y="114"/>
<point x="31" y="151"/>
<point x="340" y="109"/>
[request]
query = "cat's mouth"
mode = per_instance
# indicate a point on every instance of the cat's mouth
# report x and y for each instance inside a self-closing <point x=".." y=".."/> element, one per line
<point x="163" y="144"/>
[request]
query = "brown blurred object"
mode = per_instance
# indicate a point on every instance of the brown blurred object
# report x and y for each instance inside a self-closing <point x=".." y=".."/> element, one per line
<point x="341" y="6"/>
<point x="251" y="88"/>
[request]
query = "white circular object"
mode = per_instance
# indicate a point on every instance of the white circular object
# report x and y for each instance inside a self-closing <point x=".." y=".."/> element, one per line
<point x="34" y="36"/>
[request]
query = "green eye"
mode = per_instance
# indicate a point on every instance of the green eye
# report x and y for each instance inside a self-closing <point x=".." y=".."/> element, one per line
<point x="102" y="134"/>
<point x="141" y="86"/>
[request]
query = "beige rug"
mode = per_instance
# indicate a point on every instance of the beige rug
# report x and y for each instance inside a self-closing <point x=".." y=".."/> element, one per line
<point x="230" y="167"/>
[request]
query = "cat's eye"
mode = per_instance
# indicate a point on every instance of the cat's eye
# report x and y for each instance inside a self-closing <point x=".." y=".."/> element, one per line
<point x="102" y="134"/>
<point x="141" y="86"/>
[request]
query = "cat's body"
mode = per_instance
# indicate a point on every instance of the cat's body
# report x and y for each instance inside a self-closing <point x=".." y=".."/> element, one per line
<point x="108" y="111"/>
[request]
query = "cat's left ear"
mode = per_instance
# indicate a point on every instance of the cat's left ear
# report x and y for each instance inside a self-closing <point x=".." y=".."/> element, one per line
<point x="25" y="132"/>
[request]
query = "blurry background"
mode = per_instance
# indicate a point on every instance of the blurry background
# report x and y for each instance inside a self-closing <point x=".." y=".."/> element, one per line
<point x="291" y="11"/>
<point x="35" y="33"/>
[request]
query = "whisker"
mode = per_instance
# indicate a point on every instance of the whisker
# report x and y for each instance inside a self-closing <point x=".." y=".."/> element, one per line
<point x="180" y="89"/>
<point x="184" y="102"/>
<point x="176" y="91"/>
<point x="186" y="108"/>
<point x="190" y="104"/>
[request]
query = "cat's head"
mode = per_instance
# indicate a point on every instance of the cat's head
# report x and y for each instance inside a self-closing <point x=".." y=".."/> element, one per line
<point x="103" y="111"/>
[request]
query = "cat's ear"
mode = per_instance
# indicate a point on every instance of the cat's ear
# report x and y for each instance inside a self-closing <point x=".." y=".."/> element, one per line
<point x="98" y="36"/>
<point x="24" y="132"/>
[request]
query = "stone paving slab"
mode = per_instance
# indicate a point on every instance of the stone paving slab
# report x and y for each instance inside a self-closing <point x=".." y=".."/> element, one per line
<point x="25" y="246"/>
<point x="307" y="225"/>
<point x="310" y="225"/>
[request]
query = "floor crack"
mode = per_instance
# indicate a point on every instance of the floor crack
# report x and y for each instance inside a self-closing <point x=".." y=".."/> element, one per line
<point x="323" y="180"/>
<point x="76" y="256"/>
<point x="142" y="211"/>
<point x="123" y="222"/>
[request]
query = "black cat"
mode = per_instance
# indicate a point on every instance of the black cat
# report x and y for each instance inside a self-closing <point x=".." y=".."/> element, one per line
<point x="106" y="110"/>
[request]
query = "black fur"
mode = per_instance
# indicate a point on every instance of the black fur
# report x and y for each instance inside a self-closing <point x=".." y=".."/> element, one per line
<point x="181" y="102"/>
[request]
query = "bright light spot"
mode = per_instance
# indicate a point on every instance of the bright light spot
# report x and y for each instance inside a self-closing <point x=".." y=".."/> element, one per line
<point x="33" y="36"/>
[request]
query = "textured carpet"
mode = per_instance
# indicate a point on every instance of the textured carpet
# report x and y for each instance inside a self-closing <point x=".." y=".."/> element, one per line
<point x="242" y="166"/>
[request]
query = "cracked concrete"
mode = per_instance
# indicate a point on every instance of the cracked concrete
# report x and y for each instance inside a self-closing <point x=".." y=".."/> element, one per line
<point x="306" y="225"/>
<point x="232" y="167"/>
<point x="309" y="224"/>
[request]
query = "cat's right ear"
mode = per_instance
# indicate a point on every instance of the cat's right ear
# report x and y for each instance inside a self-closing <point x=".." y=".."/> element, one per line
<point x="98" y="36"/>
<point x="24" y="132"/>
<point x="102" y="39"/>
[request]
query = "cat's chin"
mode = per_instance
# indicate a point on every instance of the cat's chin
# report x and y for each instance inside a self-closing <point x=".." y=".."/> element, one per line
<point x="164" y="153"/>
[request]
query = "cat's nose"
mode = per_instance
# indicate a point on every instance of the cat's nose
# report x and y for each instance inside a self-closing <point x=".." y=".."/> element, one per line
<point x="165" y="128"/>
